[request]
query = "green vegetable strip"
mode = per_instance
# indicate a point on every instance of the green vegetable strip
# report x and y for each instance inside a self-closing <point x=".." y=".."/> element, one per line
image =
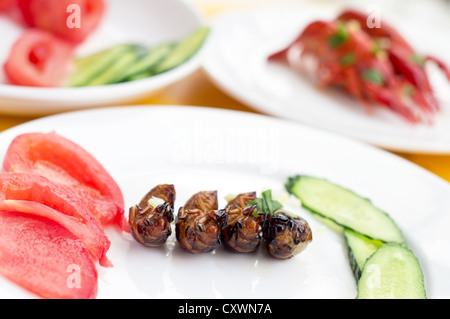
<point x="348" y="59"/>
<point x="344" y="207"/>
<point x="373" y="76"/>
<point x="127" y="62"/>
<point x="265" y="204"/>
<point x="341" y="36"/>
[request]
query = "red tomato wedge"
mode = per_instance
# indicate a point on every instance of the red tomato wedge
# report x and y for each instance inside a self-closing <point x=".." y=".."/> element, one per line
<point x="44" y="257"/>
<point x="61" y="201"/>
<point x="39" y="59"/>
<point x="73" y="225"/>
<point x="72" y="20"/>
<point x="66" y="163"/>
<point x="6" y="4"/>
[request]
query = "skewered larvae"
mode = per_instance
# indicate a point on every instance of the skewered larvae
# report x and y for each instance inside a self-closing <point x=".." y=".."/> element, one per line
<point x="243" y="231"/>
<point x="201" y="226"/>
<point x="150" y="220"/>
<point x="286" y="235"/>
<point x="200" y="222"/>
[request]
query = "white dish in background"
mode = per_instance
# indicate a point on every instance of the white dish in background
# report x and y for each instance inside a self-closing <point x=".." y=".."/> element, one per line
<point x="210" y="149"/>
<point x="147" y="22"/>
<point x="236" y="60"/>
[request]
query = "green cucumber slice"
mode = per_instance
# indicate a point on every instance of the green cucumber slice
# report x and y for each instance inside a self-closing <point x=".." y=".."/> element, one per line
<point x="128" y="62"/>
<point x="113" y="74"/>
<point x="345" y="208"/>
<point x="360" y="249"/>
<point x="90" y="67"/>
<point x="143" y="67"/>
<point x="392" y="272"/>
<point x="183" y="50"/>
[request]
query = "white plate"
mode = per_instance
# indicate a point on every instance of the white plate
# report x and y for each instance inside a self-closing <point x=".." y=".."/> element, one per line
<point x="236" y="60"/>
<point x="148" y="22"/>
<point x="209" y="149"/>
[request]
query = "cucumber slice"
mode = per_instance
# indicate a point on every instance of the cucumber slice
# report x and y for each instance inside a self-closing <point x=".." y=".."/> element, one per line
<point x="92" y="66"/>
<point x="95" y="57"/>
<point x="392" y="272"/>
<point x="113" y="74"/>
<point x="137" y="77"/>
<point x="345" y="208"/>
<point x="127" y="62"/>
<point x="360" y="249"/>
<point x="143" y="67"/>
<point x="183" y="50"/>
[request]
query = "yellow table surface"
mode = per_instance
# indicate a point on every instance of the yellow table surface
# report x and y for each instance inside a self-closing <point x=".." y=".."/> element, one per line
<point x="197" y="89"/>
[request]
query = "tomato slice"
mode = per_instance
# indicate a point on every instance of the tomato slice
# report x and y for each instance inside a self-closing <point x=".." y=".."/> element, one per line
<point x="6" y="4"/>
<point x="66" y="163"/>
<point x="73" y="225"/>
<point x="42" y="256"/>
<point x="64" y="207"/>
<point x="39" y="59"/>
<point x="73" y="20"/>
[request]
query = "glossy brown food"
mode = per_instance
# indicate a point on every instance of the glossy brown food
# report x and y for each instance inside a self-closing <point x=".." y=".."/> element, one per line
<point x="243" y="231"/>
<point x="150" y="220"/>
<point x="286" y="235"/>
<point x="200" y="222"/>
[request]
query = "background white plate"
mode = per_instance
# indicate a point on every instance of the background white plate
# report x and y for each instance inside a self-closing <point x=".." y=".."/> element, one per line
<point x="209" y="149"/>
<point x="236" y="61"/>
<point x="147" y="22"/>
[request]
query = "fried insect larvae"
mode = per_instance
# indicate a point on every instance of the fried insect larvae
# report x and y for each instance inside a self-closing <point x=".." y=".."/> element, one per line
<point x="286" y="234"/>
<point x="243" y="231"/>
<point x="200" y="222"/>
<point x="150" y="221"/>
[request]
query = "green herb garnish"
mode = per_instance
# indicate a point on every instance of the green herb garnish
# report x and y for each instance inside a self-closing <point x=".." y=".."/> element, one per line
<point x="418" y="59"/>
<point x="340" y="37"/>
<point x="378" y="49"/>
<point x="265" y="204"/>
<point x="373" y="76"/>
<point x="409" y="90"/>
<point x="348" y="59"/>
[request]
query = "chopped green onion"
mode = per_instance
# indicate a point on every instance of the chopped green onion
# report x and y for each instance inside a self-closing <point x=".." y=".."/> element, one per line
<point x="373" y="76"/>
<point x="348" y="59"/>
<point x="418" y="59"/>
<point x="409" y="90"/>
<point x="377" y="49"/>
<point x="340" y="37"/>
<point x="265" y="204"/>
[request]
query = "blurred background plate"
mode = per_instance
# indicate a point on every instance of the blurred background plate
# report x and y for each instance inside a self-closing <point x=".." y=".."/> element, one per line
<point x="236" y="56"/>
<point x="148" y="22"/>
